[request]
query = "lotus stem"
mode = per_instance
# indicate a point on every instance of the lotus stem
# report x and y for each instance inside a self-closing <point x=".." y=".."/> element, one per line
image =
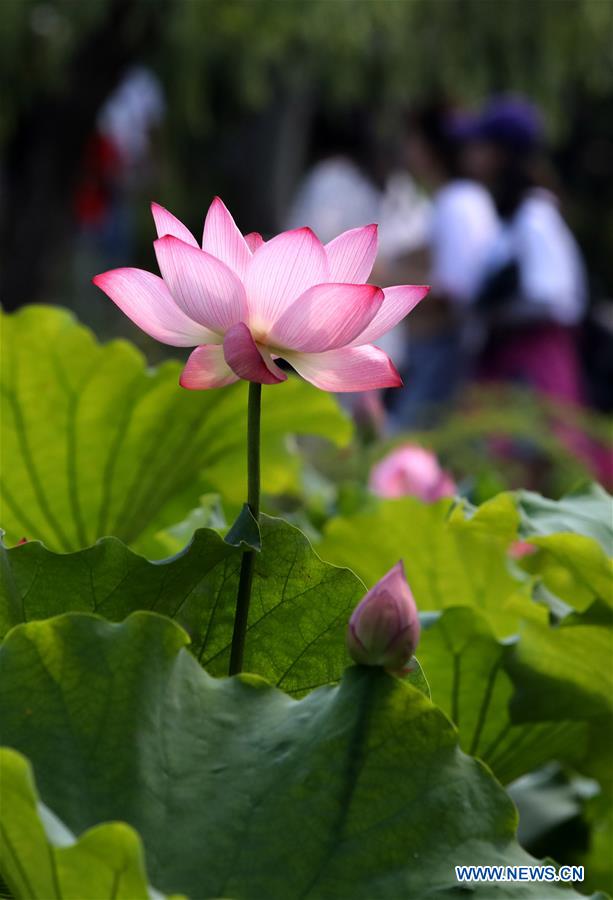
<point x="243" y="596"/>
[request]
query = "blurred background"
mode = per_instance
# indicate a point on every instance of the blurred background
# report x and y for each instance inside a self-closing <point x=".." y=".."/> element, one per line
<point x="479" y="136"/>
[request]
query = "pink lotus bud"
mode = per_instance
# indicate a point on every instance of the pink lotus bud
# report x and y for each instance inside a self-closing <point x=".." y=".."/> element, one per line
<point x="519" y="549"/>
<point x="411" y="471"/>
<point x="384" y="628"/>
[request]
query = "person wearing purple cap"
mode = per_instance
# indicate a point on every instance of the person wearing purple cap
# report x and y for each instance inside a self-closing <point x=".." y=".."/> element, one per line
<point x="533" y="295"/>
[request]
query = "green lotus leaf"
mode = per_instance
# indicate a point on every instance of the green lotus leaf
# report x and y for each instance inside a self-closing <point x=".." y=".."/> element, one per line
<point x="586" y="511"/>
<point x="450" y="560"/>
<point x="95" y="443"/>
<point x="358" y="790"/>
<point x="575" y="537"/>
<point x="566" y="671"/>
<point x="598" y="863"/>
<point x="468" y="673"/>
<point x="41" y="858"/>
<point x="498" y="516"/>
<point x="298" y="615"/>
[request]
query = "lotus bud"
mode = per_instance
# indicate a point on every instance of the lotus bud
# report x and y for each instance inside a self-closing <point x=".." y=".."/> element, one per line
<point x="384" y="627"/>
<point x="519" y="549"/>
<point x="411" y="471"/>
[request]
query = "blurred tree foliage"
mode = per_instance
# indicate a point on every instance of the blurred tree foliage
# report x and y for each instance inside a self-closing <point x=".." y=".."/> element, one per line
<point x="354" y="49"/>
<point x="388" y="49"/>
<point x="224" y="63"/>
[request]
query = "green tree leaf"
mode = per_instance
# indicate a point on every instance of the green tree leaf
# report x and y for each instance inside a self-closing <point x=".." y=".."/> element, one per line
<point x="95" y="443"/>
<point x="237" y="790"/>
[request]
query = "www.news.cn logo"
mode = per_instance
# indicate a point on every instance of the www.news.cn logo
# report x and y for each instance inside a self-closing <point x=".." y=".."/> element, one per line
<point x="466" y="874"/>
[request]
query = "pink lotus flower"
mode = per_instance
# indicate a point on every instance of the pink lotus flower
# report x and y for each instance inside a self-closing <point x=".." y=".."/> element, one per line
<point x="413" y="471"/>
<point x="384" y="627"/>
<point x="243" y="303"/>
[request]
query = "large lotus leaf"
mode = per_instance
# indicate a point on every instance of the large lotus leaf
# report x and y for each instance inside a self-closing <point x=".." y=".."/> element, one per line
<point x="468" y="675"/>
<point x="598" y="860"/>
<point x="450" y="561"/>
<point x="358" y="790"/>
<point x="575" y="537"/>
<point x="40" y="857"/>
<point x="566" y="671"/>
<point x="574" y="568"/>
<point x="298" y="615"/>
<point x="498" y="516"/>
<point x="599" y="811"/>
<point x="587" y="511"/>
<point x="94" y="443"/>
<point x="174" y="538"/>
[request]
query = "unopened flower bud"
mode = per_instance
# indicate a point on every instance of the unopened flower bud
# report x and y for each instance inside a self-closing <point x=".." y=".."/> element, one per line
<point x="384" y="627"/>
<point x="519" y="549"/>
<point x="411" y="471"/>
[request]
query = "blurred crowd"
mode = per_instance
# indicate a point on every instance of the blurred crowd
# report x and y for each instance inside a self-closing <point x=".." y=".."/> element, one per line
<point x="472" y="209"/>
<point x="473" y="213"/>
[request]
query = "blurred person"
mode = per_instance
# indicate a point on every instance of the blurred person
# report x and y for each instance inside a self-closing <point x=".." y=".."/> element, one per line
<point x="463" y="226"/>
<point x="339" y="190"/>
<point x="130" y="117"/>
<point x="347" y="187"/>
<point x="115" y="163"/>
<point x="534" y="292"/>
<point x="96" y="188"/>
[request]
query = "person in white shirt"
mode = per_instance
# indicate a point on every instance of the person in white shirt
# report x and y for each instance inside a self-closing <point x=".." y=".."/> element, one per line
<point x="341" y="190"/>
<point x="551" y="277"/>
<point x="334" y="196"/>
<point x="534" y="291"/>
<point x="463" y="227"/>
